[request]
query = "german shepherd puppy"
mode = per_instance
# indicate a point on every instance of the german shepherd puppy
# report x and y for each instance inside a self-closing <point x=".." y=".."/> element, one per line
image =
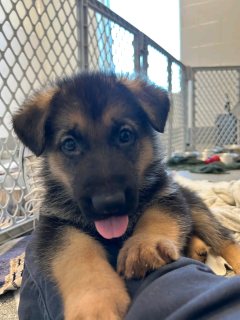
<point x="109" y="203"/>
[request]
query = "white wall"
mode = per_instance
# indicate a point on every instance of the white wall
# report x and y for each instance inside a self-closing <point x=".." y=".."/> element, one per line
<point x="210" y="32"/>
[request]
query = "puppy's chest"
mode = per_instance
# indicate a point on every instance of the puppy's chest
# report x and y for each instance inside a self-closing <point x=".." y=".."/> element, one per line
<point x="112" y="248"/>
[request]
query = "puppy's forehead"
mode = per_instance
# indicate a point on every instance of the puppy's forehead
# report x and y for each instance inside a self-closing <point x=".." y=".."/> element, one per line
<point x="95" y="101"/>
<point x="91" y="93"/>
<point x="76" y="116"/>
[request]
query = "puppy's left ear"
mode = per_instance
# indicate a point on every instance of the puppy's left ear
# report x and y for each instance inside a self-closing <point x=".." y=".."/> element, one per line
<point x="153" y="100"/>
<point x="29" y="121"/>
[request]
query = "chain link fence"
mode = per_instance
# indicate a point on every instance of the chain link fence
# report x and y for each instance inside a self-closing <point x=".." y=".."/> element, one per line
<point x="38" y="42"/>
<point x="216" y="107"/>
<point x="169" y="73"/>
<point x="44" y="39"/>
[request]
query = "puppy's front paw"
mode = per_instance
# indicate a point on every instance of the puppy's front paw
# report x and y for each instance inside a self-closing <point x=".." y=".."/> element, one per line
<point x="102" y="304"/>
<point x="140" y="255"/>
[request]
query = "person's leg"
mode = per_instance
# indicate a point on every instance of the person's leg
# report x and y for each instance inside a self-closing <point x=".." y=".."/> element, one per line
<point x="185" y="290"/>
<point x="39" y="297"/>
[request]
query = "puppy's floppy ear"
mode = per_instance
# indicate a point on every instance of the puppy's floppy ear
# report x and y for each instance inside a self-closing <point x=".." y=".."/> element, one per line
<point x="153" y="100"/>
<point x="29" y="122"/>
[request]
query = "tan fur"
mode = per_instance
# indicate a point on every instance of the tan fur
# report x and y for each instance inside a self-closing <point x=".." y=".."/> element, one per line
<point x="91" y="289"/>
<point x="76" y="118"/>
<point x="156" y="241"/>
<point x="197" y="249"/>
<point x="29" y="123"/>
<point x="43" y="98"/>
<point x="115" y="112"/>
<point x="136" y="87"/>
<point x="229" y="250"/>
<point x="146" y="156"/>
<point x="231" y="253"/>
<point x="112" y="112"/>
<point x="56" y="167"/>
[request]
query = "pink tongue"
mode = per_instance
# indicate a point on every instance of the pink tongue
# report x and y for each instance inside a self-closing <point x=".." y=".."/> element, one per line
<point x="113" y="227"/>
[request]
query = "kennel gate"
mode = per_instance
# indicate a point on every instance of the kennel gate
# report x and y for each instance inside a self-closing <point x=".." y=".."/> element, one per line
<point x="215" y="112"/>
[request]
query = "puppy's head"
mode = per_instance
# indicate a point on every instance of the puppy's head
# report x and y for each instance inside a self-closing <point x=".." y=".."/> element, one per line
<point x="95" y="133"/>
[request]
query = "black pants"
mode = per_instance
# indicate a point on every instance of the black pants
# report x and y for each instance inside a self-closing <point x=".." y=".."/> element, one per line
<point x="183" y="290"/>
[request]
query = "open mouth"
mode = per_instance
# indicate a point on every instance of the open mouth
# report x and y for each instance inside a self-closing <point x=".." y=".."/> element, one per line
<point x="112" y="227"/>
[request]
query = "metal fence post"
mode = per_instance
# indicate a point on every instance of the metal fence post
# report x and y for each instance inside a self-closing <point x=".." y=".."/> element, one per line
<point x="144" y="55"/>
<point x="170" y="130"/>
<point x="193" y="101"/>
<point x="82" y="18"/>
<point x="191" y="104"/>
<point x="238" y="103"/>
<point x="140" y="54"/>
<point x="184" y="88"/>
<point x="136" y="52"/>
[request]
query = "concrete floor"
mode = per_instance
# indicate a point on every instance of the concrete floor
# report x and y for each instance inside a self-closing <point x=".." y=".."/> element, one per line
<point x="8" y="307"/>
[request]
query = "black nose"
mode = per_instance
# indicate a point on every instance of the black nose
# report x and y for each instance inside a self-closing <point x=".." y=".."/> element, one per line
<point x="109" y="203"/>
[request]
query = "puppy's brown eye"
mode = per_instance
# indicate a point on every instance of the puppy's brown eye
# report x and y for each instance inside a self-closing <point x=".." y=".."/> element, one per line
<point x="69" y="146"/>
<point x="126" y="136"/>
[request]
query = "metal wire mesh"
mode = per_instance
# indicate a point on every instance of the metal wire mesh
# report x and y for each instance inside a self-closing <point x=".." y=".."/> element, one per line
<point x="169" y="74"/>
<point x="157" y="67"/>
<point x="110" y="45"/>
<point x="157" y="72"/>
<point x="216" y="92"/>
<point x="38" y="42"/>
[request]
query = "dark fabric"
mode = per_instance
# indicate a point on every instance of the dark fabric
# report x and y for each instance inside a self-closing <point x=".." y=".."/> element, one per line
<point x="186" y="290"/>
<point x="39" y="297"/>
<point x="183" y="290"/>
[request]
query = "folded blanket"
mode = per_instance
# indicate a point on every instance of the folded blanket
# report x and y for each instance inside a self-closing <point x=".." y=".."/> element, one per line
<point x="221" y="197"/>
